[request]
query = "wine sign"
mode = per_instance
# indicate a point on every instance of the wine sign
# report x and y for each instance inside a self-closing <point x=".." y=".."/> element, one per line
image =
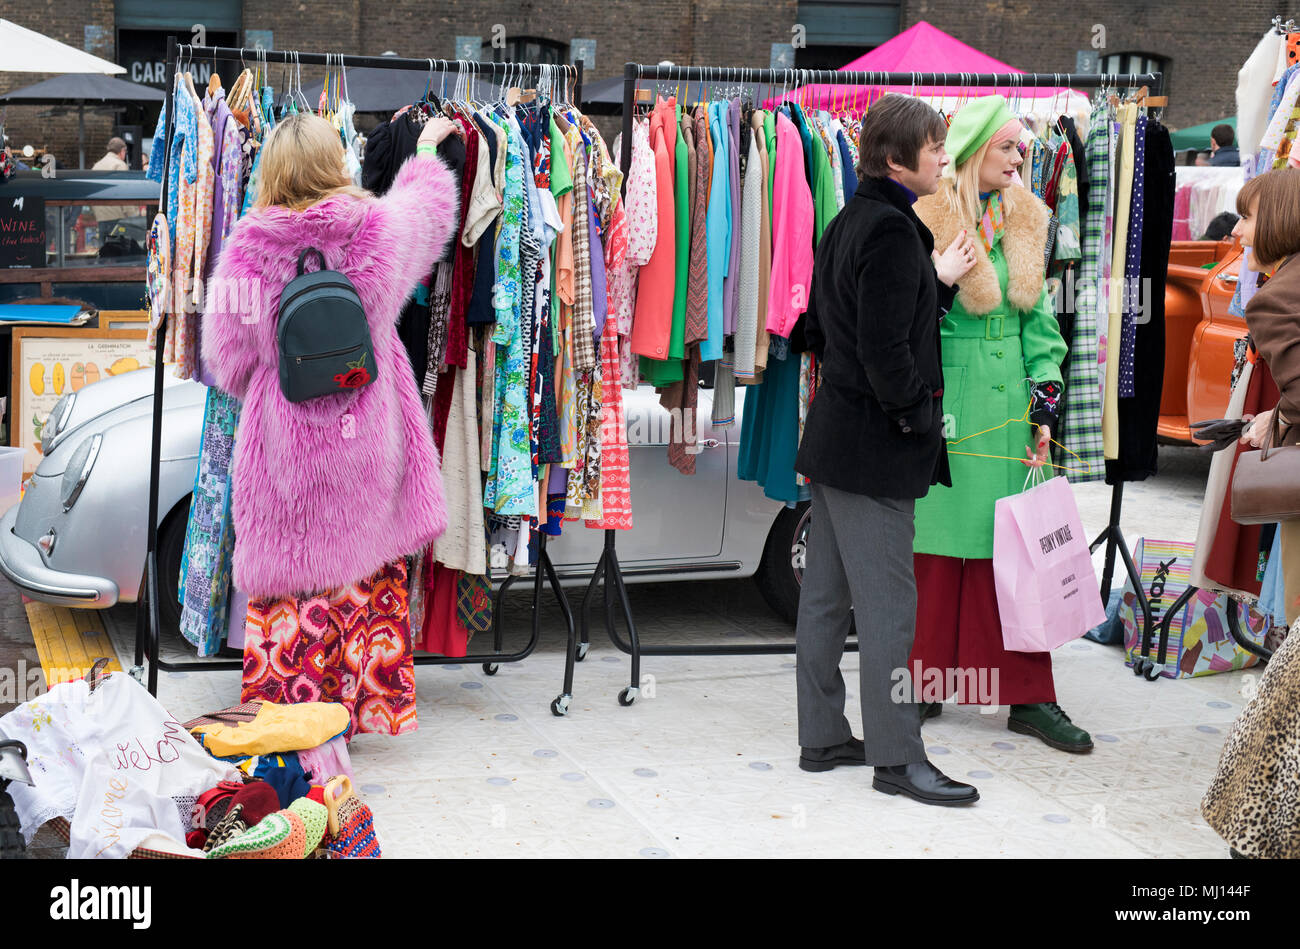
<point x="22" y="231"/>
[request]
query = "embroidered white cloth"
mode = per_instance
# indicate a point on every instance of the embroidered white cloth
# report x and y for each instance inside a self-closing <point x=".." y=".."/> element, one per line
<point x="114" y="762"/>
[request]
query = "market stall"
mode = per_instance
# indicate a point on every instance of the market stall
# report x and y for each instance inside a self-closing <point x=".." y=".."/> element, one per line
<point x="1109" y="427"/>
<point x="213" y="608"/>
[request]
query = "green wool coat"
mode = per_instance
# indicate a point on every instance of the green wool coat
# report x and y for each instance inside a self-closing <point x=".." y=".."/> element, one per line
<point x="1000" y="337"/>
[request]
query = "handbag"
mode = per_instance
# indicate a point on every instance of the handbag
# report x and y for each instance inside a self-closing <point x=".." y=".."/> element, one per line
<point x="323" y="335"/>
<point x="1266" y="483"/>
<point x="350" y="826"/>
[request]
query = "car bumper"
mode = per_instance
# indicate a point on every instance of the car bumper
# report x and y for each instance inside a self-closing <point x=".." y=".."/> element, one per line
<point x="21" y="562"/>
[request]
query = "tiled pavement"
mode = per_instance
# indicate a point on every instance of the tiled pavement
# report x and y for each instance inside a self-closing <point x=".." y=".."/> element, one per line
<point x="703" y="764"/>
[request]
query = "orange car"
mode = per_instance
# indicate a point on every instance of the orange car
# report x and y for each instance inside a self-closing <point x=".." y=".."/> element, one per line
<point x="1199" y="335"/>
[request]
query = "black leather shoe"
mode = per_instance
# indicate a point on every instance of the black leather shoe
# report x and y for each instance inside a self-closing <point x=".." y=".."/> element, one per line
<point x="924" y="782"/>
<point x="929" y="709"/>
<point x="823" y="759"/>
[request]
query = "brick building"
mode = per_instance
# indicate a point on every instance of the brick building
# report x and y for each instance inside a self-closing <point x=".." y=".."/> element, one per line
<point x="1201" y="64"/>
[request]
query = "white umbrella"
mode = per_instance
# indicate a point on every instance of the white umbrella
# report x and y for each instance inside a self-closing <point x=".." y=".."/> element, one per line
<point x="28" y="51"/>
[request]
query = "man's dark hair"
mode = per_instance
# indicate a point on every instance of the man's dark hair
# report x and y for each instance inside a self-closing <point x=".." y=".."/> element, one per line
<point x="1222" y="135"/>
<point x="896" y="128"/>
<point x="1221" y="227"/>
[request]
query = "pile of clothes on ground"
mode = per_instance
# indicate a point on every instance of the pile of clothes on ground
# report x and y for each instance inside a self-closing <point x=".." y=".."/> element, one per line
<point x="119" y="776"/>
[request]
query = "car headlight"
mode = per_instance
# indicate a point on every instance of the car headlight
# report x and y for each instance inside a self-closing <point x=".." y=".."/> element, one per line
<point x="78" y="470"/>
<point x="56" y="424"/>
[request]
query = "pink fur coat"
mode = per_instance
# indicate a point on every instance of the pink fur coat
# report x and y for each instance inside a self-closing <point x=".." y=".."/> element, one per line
<point x="329" y="490"/>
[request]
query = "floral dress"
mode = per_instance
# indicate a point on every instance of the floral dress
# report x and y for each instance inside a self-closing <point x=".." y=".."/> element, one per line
<point x="510" y="482"/>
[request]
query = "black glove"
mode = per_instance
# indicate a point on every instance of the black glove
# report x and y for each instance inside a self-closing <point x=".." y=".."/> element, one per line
<point x="1221" y="433"/>
<point x="1045" y="404"/>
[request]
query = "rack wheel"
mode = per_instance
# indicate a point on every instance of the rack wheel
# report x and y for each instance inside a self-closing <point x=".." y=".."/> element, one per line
<point x="1151" y="671"/>
<point x="137" y="673"/>
<point x="1138" y="665"/>
<point x="490" y="668"/>
<point x="627" y="696"/>
<point x="582" y="651"/>
<point x="560" y="707"/>
<point x="12" y="846"/>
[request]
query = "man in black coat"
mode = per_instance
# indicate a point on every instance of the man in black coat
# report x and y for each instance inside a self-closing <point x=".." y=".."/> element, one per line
<point x="873" y="443"/>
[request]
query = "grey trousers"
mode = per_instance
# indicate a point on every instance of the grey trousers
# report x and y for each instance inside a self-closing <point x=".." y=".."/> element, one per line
<point x="859" y="554"/>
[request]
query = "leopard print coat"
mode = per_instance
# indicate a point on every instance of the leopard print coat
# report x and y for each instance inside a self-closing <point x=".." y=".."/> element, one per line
<point x="1254" y="800"/>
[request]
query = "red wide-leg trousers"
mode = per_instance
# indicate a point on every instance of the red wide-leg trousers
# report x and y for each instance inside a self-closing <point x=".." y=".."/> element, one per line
<point x="958" y="629"/>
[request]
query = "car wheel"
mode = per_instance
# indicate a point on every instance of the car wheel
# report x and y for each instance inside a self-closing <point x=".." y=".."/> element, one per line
<point x="780" y="575"/>
<point x="171" y="547"/>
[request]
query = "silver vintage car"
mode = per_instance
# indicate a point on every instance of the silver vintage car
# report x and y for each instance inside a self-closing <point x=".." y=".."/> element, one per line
<point x="78" y="537"/>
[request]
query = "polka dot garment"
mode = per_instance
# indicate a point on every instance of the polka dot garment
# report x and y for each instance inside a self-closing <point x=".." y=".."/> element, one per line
<point x="1133" y="264"/>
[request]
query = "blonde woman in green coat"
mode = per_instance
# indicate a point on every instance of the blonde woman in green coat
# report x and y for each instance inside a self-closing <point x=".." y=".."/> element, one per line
<point x="1002" y="353"/>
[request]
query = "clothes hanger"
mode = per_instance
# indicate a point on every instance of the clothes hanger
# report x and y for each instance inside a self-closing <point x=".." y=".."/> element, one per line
<point x="214" y="80"/>
<point x="505" y="84"/>
<point x="287" y="105"/>
<point x="347" y="92"/>
<point x="337" y="85"/>
<point x="292" y="85"/>
<point x="472" y="102"/>
<point x="464" y="89"/>
<point x="324" y="103"/>
<point x="1024" y="419"/>
<point x="473" y="94"/>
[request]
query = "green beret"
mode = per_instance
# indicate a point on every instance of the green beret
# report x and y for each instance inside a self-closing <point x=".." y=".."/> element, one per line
<point x="976" y="123"/>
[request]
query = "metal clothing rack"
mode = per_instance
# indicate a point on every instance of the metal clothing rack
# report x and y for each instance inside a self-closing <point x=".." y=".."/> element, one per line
<point x="147" y="618"/>
<point x="607" y="569"/>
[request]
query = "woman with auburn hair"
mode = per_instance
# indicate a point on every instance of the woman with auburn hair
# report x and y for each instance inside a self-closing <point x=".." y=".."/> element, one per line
<point x="1002" y="353"/>
<point x="330" y="494"/>
<point x="1254" y="800"/>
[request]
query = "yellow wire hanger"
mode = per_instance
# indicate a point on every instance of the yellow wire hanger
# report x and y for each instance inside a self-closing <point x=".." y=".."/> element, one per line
<point x="1086" y="469"/>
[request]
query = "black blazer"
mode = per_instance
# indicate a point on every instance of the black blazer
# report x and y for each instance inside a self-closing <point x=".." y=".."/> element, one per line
<point x="875" y="426"/>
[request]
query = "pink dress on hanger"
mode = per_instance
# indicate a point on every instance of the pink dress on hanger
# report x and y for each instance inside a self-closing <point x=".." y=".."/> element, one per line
<point x="792" y="232"/>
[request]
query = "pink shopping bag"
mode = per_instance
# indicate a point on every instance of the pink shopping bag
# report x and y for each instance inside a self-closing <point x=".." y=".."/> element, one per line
<point x="1042" y="570"/>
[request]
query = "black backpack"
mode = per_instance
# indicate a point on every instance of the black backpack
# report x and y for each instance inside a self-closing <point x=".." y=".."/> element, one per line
<point x="323" y="335"/>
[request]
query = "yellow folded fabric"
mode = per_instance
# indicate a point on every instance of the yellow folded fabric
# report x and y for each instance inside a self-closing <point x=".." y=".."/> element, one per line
<point x="277" y="728"/>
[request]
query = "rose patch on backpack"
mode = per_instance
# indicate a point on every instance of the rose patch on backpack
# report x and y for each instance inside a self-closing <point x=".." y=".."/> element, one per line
<point x="356" y="376"/>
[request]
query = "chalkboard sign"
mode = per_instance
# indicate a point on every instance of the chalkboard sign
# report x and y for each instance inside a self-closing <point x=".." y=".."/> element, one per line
<point x="22" y="231"/>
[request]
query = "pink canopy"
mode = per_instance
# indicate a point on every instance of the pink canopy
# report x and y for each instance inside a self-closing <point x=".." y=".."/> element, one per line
<point x="919" y="49"/>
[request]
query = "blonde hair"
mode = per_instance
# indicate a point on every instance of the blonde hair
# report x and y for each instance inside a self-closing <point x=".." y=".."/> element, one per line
<point x="301" y="164"/>
<point x="961" y="186"/>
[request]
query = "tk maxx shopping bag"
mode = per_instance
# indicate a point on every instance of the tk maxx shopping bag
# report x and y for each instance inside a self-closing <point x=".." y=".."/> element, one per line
<point x="1042" y="570"/>
<point x="1200" y="642"/>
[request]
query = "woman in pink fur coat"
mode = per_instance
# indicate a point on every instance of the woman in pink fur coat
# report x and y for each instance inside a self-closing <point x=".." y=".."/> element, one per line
<point x="328" y="491"/>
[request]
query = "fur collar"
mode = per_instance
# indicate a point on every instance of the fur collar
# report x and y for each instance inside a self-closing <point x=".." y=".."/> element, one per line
<point x="1024" y="238"/>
